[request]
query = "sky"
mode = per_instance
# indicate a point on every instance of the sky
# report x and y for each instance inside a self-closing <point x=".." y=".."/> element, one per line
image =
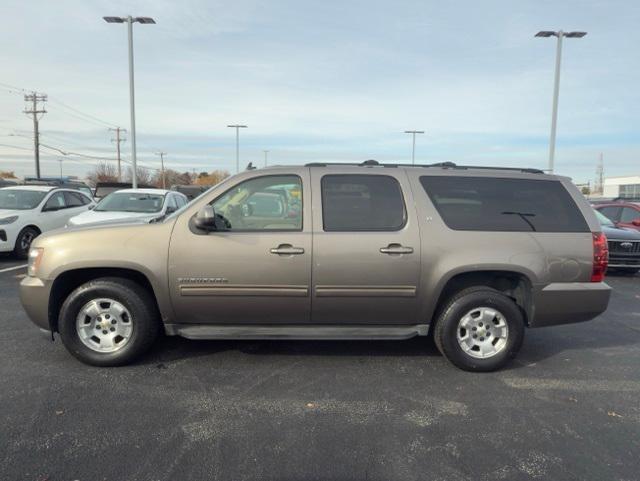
<point x="328" y="80"/>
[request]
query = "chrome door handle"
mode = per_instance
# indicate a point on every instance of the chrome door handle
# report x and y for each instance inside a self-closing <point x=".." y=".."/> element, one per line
<point x="396" y="249"/>
<point x="287" y="250"/>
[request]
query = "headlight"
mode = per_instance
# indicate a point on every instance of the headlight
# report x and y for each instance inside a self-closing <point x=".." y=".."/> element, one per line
<point x="35" y="258"/>
<point x="8" y="220"/>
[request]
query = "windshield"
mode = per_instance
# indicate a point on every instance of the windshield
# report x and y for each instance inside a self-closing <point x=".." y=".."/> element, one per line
<point x="15" y="199"/>
<point x="131" y="202"/>
<point x="603" y="219"/>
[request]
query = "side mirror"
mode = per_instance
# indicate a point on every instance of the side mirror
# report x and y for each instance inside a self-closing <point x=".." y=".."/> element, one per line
<point x="636" y="222"/>
<point x="170" y="210"/>
<point x="92" y="206"/>
<point x="206" y="218"/>
<point x="50" y="208"/>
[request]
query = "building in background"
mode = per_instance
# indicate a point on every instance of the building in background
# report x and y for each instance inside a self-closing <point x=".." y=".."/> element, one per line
<point x="626" y="187"/>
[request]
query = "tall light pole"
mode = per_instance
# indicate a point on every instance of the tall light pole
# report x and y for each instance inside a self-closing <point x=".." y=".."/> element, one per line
<point x="129" y="20"/>
<point x="60" y="160"/>
<point x="556" y="85"/>
<point x="413" y="149"/>
<point x="265" y="157"/>
<point x="237" y="127"/>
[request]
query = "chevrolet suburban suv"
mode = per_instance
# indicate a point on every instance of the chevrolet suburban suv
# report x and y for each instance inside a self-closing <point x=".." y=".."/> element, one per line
<point x="363" y="251"/>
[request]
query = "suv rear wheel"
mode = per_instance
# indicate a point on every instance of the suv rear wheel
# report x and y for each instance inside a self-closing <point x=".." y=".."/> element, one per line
<point x="108" y="322"/>
<point x="479" y="329"/>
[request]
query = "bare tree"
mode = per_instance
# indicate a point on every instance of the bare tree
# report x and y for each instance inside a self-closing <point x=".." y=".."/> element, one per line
<point x="143" y="175"/>
<point x="103" y="172"/>
<point x="5" y="174"/>
<point x="211" y="178"/>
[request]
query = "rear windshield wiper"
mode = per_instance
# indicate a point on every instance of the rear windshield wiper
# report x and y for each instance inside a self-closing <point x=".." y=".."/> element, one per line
<point x="523" y="216"/>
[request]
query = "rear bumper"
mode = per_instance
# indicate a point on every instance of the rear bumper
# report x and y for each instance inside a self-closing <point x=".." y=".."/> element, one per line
<point x="34" y="296"/>
<point x="564" y="303"/>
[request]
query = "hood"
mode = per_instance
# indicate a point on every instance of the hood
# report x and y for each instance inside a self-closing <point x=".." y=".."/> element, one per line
<point x="620" y="233"/>
<point x="10" y="212"/>
<point x="92" y="217"/>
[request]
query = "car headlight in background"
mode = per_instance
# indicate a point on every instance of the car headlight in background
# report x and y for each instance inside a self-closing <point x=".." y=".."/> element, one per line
<point x="35" y="258"/>
<point x="8" y="220"/>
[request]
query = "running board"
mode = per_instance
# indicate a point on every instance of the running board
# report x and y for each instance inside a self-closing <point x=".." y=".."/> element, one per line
<point x="296" y="332"/>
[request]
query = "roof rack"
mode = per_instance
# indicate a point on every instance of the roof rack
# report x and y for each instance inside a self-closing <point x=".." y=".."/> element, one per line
<point x="443" y="165"/>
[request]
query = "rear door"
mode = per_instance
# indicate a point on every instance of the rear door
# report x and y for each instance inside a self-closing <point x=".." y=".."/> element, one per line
<point x="366" y="247"/>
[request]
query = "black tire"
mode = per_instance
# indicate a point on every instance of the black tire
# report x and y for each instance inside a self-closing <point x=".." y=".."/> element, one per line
<point x="23" y="242"/>
<point x="136" y="299"/>
<point x="456" y="307"/>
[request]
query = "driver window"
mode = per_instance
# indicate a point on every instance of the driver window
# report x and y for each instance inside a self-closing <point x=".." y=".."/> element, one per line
<point x="272" y="202"/>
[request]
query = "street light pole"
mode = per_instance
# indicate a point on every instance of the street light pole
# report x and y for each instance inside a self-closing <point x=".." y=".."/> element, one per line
<point x="265" y="157"/>
<point x="556" y="87"/>
<point x="413" y="149"/>
<point x="60" y="160"/>
<point x="129" y="20"/>
<point x="237" y="127"/>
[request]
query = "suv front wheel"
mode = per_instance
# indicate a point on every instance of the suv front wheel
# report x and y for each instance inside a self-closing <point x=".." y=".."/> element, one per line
<point x="108" y="322"/>
<point x="479" y="329"/>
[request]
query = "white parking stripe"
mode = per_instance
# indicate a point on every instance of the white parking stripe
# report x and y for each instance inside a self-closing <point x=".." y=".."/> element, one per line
<point x="14" y="268"/>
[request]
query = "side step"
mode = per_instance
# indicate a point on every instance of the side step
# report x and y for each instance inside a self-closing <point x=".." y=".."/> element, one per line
<point x="202" y="331"/>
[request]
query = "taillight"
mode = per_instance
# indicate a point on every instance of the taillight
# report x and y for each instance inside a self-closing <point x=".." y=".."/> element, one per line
<point x="600" y="257"/>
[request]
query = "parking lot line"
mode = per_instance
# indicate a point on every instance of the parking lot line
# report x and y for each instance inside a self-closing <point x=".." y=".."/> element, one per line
<point x="14" y="268"/>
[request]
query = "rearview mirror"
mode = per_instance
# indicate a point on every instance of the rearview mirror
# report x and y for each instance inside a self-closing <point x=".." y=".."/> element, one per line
<point x="206" y="218"/>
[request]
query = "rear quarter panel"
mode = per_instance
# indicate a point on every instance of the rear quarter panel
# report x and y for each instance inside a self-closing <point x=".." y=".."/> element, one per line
<point x="544" y="258"/>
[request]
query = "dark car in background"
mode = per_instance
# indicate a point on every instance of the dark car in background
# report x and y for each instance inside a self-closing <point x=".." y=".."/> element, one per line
<point x="191" y="191"/>
<point x="624" y="245"/>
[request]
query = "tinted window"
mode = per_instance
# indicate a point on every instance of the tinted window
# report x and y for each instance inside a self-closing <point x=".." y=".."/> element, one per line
<point x="629" y="215"/>
<point x="611" y="212"/>
<point x="55" y="202"/>
<point x="489" y="204"/>
<point x="74" y="199"/>
<point x="271" y="202"/>
<point x="362" y="203"/>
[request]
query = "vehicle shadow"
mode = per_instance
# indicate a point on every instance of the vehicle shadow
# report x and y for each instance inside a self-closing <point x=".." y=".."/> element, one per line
<point x="174" y="348"/>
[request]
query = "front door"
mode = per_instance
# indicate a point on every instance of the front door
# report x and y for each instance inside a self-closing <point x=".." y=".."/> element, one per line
<point x="256" y="268"/>
<point x="366" y="248"/>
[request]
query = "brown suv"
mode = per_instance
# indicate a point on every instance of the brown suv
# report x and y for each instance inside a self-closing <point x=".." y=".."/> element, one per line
<point x="324" y="251"/>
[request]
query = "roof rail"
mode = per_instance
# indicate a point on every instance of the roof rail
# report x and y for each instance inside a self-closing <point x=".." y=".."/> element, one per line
<point x="443" y="165"/>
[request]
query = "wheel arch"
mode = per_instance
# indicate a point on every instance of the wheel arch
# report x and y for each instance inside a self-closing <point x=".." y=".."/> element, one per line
<point x="66" y="282"/>
<point x="513" y="283"/>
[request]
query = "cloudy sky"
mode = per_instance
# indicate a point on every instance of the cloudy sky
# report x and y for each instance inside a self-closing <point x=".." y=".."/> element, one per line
<point x="324" y="80"/>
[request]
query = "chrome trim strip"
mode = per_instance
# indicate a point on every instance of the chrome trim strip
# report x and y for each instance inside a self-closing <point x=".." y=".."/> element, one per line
<point x="243" y="290"/>
<point x="365" y="291"/>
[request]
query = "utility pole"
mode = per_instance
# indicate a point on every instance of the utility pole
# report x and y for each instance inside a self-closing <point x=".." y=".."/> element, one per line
<point x="117" y="140"/>
<point x="162" y="154"/>
<point x="413" y="150"/>
<point x="265" y="157"/>
<point x="34" y="110"/>
<point x="599" y="187"/>
<point x="60" y="160"/>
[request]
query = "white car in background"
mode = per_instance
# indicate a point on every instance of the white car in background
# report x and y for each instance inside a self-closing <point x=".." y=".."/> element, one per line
<point x="26" y="211"/>
<point x="131" y="205"/>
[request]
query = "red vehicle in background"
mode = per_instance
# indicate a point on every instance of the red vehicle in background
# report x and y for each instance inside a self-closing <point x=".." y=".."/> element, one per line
<point x="622" y="214"/>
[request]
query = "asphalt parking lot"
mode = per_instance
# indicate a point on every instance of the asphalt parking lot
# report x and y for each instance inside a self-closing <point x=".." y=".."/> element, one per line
<point x="567" y="409"/>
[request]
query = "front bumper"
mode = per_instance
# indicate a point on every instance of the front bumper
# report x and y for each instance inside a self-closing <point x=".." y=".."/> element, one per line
<point x="8" y="236"/>
<point x="564" y="303"/>
<point x="34" y="296"/>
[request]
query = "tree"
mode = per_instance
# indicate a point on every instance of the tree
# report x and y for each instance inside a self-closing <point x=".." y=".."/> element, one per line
<point x="172" y="177"/>
<point x="586" y="190"/>
<point x="211" y="178"/>
<point x="103" y="172"/>
<point x="5" y="174"/>
<point x="143" y="175"/>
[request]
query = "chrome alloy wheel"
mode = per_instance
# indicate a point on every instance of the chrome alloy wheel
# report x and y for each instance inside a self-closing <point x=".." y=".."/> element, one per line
<point x="104" y="325"/>
<point x="482" y="332"/>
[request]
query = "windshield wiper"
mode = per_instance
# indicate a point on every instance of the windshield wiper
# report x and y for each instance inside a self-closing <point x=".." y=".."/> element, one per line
<point x="523" y="216"/>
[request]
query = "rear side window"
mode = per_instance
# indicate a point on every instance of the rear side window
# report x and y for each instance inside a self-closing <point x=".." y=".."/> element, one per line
<point x="75" y="199"/>
<point x="362" y="203"/>
<point x="509" y="205"/>
<point x="611" y="212"/>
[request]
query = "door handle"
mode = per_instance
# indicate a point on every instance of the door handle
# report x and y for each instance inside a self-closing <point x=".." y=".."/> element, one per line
<point x="396" y="249"/>
<point x="286" y="250"/>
